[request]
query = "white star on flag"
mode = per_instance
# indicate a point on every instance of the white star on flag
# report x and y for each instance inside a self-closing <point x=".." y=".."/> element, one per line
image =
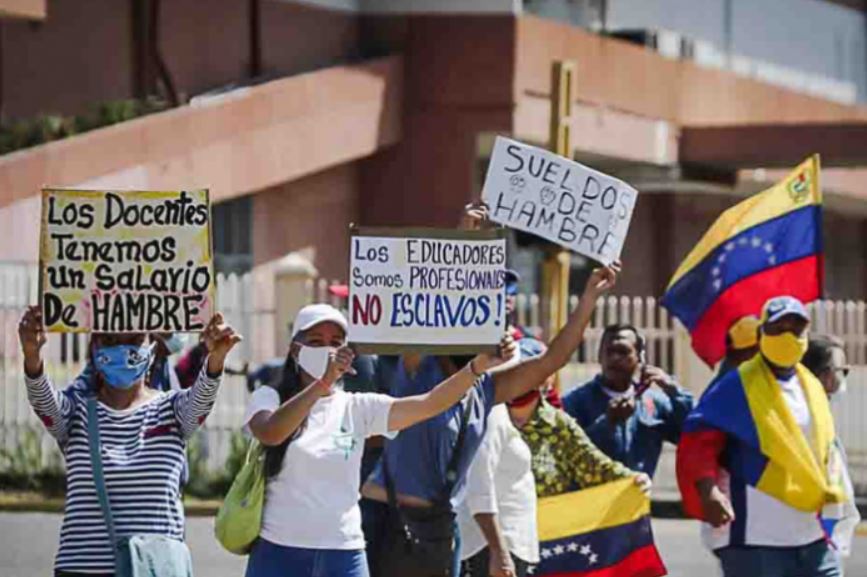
<point x="593" y="558"/>
<point x="572" y="547"/>
<point x="772" y="259"/>
<point x="730" y="246"/>
<point x="716" y="271"/>
<point x="586" y="550"/>
<point x="546" y="553"/>
<point x="743" y="241"/>
<point x="559" y="550"/>
<point x="722" y="258"/>
<point x="717" y="285"/>
<point x="531" y="569"/>
<point x="757" y="242"/>
<point x="769" y="247"/>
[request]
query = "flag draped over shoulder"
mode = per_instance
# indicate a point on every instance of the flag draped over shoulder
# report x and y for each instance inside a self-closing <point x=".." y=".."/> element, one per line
<point x="768" y="245"/>
<point x="771" y="454"/>
<point x="599" y="532"/>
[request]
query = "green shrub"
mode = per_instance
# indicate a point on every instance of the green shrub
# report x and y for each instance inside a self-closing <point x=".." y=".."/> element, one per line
<point x="49" y="127"/>
<point x="27" y="468"/>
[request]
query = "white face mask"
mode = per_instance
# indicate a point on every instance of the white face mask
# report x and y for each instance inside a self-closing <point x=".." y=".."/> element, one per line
<point x="314" y="360"/>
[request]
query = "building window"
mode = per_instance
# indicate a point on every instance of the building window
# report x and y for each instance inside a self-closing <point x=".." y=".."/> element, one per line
<point x="232" y="230"/>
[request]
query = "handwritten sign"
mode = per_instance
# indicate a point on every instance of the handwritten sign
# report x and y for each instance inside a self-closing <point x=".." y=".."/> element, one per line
<point x="114" y="261"/>
<point x="436" y="291"/>
<point x="563" y="201"/>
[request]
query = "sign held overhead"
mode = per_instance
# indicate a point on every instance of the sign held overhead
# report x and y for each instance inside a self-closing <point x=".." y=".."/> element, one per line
<point x="113" y="261"/>
<point x="427" y="290"/>
<point x="536" y="191"/>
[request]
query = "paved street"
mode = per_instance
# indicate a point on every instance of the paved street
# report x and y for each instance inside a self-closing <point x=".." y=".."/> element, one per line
<point x="28" y="541"/>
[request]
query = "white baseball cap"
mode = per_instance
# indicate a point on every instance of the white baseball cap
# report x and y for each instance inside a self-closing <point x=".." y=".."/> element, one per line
<point x="313" y="315"/>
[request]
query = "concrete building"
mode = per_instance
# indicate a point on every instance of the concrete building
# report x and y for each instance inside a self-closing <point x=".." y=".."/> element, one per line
<point x="305" y="116"/>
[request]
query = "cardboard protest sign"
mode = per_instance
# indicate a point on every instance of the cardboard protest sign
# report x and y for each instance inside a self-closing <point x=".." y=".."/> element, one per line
<point x="539" y="192"/>
<point x="114" y="261"/>
<point x="435" y="291"/>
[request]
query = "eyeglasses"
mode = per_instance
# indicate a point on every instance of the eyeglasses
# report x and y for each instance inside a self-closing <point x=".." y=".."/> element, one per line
<point x="845" y="370"/>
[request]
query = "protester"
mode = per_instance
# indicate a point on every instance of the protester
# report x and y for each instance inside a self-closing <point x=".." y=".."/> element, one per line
<point x="314" y="430"/>
<point x="418" y="460"/>
<point x="631" y="408"/>
<point x="826" y="359"/>
<point x="498" y="517"/>
<point x="143" y="435"/>
<point x="564" y="457"/>
<point x="742" y="343"/>
<point x="756" y="460"/>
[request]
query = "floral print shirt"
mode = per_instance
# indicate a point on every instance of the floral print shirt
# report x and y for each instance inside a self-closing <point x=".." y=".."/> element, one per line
<point x="564" y="458"/>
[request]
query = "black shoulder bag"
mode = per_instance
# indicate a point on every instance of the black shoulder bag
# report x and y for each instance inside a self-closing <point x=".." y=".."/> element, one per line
<point x="423" y="537"/>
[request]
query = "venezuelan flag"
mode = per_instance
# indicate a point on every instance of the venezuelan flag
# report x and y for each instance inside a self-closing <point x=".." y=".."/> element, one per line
<point x="771" y="452"/>
<point x="603" y="531"/>
<point x="768" y="245"/>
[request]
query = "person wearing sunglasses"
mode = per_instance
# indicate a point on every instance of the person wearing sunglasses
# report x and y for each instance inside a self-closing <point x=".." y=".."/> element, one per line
<point x="826" y="358"/>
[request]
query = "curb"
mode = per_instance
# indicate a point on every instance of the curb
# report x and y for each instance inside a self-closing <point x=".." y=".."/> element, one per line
<point x="659" y="508"/>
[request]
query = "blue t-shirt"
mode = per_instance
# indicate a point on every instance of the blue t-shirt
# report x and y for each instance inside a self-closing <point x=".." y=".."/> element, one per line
<point x="418" y="456"/>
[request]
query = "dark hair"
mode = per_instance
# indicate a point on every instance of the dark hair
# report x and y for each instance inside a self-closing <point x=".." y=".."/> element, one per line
<point x="818" y="357"/>
<point x="289" y="386"/>
<point x="611" y="330"/>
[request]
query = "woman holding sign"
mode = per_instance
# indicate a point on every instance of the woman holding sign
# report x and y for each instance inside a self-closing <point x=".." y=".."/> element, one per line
<point x="124" y="447"/>
<point x="315" y="435"/>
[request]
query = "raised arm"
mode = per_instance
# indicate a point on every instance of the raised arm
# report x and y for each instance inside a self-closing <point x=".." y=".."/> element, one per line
<point x="408" y="411"/>
<point x="515" y="381"/>
<point x="192" y="406"/>
<point x="51" y="406"/>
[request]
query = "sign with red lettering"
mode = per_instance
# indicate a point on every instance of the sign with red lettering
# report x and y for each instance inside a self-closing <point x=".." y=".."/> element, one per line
<point x="427" y="290"/>
<point x="539" y="192"/>
<point x="123" y="261"/>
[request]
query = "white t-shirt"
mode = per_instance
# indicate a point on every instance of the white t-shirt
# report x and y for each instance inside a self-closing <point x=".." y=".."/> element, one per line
<point x="770" y="522"/>
<point x="313" y="501"/>
<point x="500" y="481"/>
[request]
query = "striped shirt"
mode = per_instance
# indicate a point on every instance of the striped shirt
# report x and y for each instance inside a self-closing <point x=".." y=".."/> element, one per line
<point x="143" y="453"/>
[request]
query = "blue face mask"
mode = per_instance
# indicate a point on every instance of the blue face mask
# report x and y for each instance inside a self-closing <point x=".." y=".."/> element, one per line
<point x="122" y="365"/>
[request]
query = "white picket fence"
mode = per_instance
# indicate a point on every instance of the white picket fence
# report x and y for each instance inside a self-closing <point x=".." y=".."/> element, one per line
<point x="667" y="346"/>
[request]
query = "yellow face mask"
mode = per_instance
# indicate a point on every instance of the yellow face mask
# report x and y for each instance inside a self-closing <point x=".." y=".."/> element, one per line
<point x="785" y="350"/>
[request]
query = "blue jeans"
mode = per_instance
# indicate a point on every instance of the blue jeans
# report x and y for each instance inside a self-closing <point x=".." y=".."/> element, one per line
<point x="270" y="560"/>
<point x="813" y="560"/>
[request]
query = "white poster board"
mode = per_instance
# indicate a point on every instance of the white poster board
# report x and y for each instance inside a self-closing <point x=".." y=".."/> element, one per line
<point x="428" y="290"/>
<point x="536" y="191"/>
<point x="126" y="261"/>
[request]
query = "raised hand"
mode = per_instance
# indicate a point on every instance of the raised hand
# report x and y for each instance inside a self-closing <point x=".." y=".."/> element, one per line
<point x="31" y="334"/>
<point x="339" y="363"/>
<point x="219" y="338"/>
<point x="475" y="216"/>
<point x="506" y="350"/>
<point x="602" y="279"/>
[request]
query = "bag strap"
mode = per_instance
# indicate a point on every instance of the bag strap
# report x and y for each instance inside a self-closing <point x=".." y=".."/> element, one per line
<point x="451" y="468"/>
<point x="96" y="465"/>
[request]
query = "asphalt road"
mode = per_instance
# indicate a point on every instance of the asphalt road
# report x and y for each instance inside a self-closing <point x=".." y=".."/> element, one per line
<point x="28" y="542"/>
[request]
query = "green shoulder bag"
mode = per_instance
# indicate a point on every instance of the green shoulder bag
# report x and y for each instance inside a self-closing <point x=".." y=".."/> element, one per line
<point x="240" y="516"/>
